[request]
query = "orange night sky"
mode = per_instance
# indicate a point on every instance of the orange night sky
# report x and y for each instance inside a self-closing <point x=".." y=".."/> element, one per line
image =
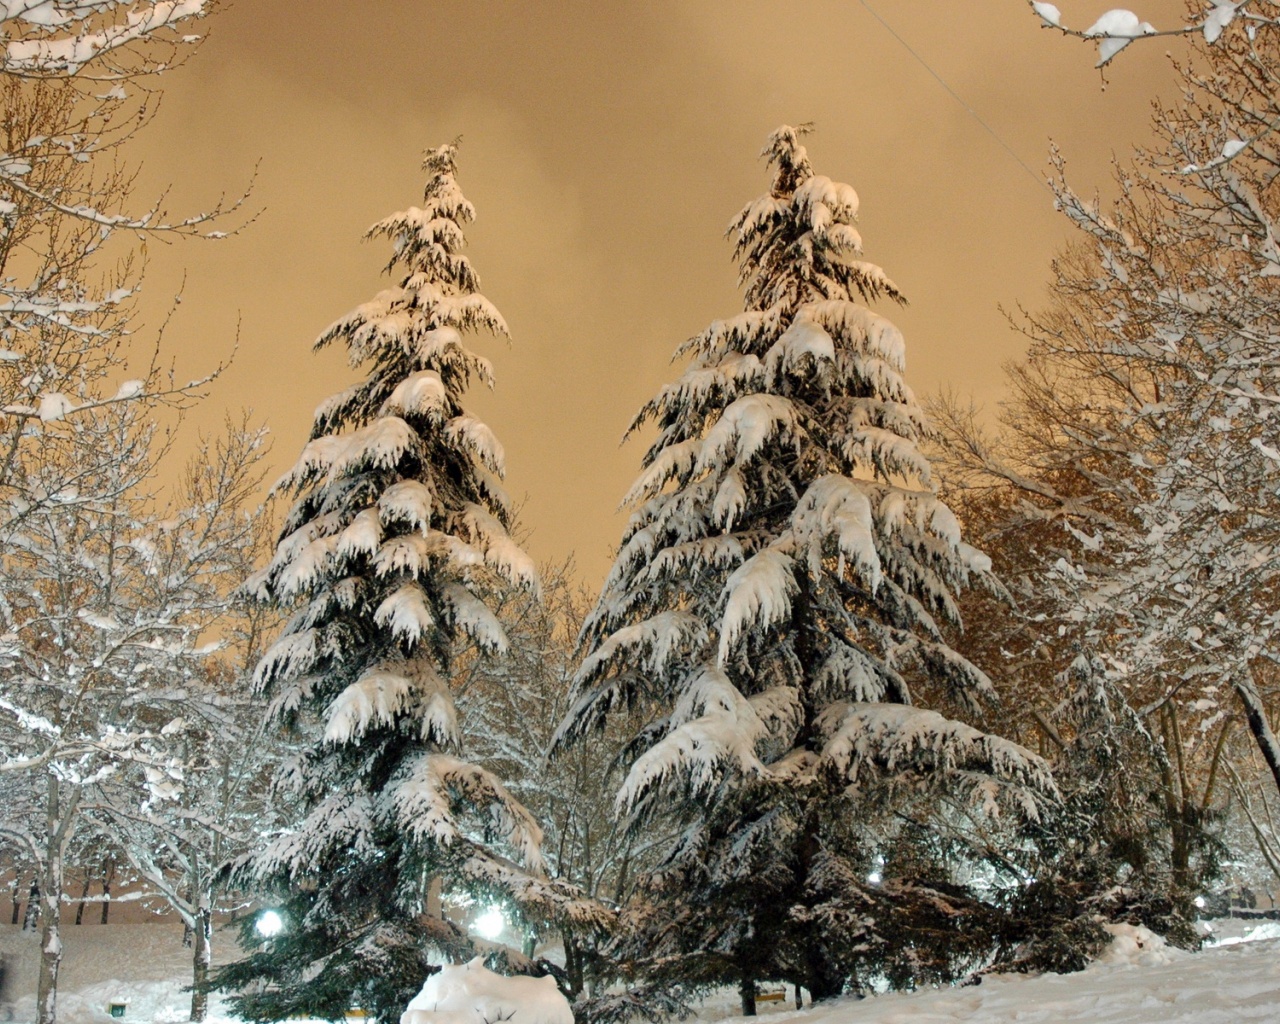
<point x="606" y="146"/>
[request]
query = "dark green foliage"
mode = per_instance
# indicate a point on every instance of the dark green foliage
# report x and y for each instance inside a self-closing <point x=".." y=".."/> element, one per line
<point x="1116" y="851"/>
<point x="651" y="1003"/>
<point x="781" y="894"/>
<point x="378" y="966"/>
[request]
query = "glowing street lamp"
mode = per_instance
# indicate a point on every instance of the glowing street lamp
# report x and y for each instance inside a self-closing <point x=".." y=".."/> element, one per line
<point x="269" y="924"/>
<point x="490" y="923"/>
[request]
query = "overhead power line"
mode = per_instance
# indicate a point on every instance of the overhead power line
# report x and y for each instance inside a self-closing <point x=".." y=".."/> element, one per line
<point x="957" y="97"/>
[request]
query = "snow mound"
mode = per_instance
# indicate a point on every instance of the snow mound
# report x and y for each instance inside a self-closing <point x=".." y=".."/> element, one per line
<point x="470" y="993"/>
<point x="1267" y="930"/>
<point x="1222" y="933"/>
<point x="1136" y="946"/>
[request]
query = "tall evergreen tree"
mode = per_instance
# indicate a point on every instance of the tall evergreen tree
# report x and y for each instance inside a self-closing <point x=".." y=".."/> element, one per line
<point x="398" y="531"/>
<point x="786" y="571"/>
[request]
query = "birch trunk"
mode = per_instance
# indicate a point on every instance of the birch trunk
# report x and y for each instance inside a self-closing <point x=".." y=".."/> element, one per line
<point x="60" y="818"/>
<point x="50" y="927"/>
<point x="50" y="953"/>
<point x="201" y="957"/>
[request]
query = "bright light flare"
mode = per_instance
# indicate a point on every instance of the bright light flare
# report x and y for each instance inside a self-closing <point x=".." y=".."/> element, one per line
<point x="269" y="924"/>
<point x="490" y="923"/>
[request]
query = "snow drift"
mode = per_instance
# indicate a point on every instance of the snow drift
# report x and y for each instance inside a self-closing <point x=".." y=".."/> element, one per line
<point x="470" y="993"/>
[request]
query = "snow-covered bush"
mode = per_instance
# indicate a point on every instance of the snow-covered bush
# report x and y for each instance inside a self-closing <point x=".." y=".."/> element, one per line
<point x="1110" y="853"/>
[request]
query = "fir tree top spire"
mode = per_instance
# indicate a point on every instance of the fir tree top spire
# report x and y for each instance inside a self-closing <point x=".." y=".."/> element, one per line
<point x="783" y="150"/>
<point x="798" y="243"/>
<point x="429" y="239"/>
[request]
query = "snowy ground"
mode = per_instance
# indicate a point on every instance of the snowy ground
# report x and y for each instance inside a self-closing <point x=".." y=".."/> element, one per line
<point x="1140" y="981"/>
<point x="1236" y="981"/>
<point x="145" y="964"/>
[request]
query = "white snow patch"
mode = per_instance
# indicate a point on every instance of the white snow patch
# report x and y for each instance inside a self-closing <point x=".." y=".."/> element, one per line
<point x="1236" y="981"/>
<point x="470" y="993"/>
<point x="1231" y="147"/>
<point x="1117" y="29"/>
<point x="1218" y="19"/>
<point x="54" y="406"/>
<point x="1136" y="946"/>
<point x="1049" y="14"/>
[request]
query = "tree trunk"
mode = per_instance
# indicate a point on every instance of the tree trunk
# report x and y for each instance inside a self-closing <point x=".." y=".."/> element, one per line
<point x="748" y="992"/>
<point x="32" y="917"/>
<point x="84" y="892"/>
<point x="1175" y="800"/>
<point x="822" y="985"/>
<point x="106" y="893"/>
<point x="50" y="940"/>
<point x="61" y="807"/>
<point x="13" y="895"/>
<point x="1214" y="765"/>
<point x="1256" y="715"/>
<point x="202" y="956"/>
<point x="572" y="963"/>
<point x="435" y="902"/>
<point x="620" y="888"/>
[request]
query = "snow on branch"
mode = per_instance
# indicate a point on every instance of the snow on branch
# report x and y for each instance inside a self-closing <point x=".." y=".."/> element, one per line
<point x="538" y="898"/>
<point x="836" y="509"/>
<point x="501" y="553"/>
<point x="383" y="694"/>
<point x="757" y="595"/>
<point x="436" y="787"/>
<point x="46" y="38"/>
<point x="1117" y="28"/>
<point x="343" y="820"/>
<point x="652" y="644"/>
<point x="746" y="426"/>
<point x="715" y="729"/>
<point x="865" y="740"/>
<point x="406" y="613"/>
<point x="473" y="617"/>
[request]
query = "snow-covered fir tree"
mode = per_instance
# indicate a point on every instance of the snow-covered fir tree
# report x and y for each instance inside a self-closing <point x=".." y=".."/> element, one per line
<point x="398" y="530"/>
<point x="786" y="571"/>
